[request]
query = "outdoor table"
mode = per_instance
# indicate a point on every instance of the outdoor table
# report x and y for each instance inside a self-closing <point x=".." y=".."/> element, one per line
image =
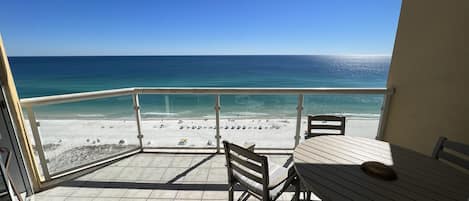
<point x="329" y="167"/>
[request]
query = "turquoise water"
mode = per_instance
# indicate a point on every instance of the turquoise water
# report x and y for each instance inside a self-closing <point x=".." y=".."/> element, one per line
<point x="41" y="76"/>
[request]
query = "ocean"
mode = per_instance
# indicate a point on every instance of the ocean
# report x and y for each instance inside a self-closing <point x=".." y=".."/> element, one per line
<point x="43" y="76"/>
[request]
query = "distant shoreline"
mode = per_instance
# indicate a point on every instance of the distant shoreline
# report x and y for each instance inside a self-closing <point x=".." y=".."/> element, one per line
<point x="350" y="116"/>
<point x="213" y="55"/>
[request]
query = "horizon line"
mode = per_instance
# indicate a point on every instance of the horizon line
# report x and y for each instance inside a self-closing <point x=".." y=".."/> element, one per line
<point x="180" y="55"/>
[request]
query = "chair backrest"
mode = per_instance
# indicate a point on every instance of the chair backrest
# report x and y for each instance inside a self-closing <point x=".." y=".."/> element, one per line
<point x="325" y="125"/>
<point x="453" y="152"/>
<point x="246" y="163"/>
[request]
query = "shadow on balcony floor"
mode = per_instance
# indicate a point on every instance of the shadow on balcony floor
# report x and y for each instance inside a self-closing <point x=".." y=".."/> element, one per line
<point x="153" y="177"/>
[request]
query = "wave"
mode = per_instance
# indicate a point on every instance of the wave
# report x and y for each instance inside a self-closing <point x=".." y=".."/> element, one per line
<point x="358" y="115"/>
<point x="248" y="113"/>
<point x="159" y="114"/>
<point x="90" y="115"/>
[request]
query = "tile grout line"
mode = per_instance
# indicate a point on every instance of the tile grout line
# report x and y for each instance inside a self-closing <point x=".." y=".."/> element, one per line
<point x="208" y="174"/>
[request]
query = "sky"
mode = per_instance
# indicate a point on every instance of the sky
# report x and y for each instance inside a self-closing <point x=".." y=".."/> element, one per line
<point x="199" y="27"/>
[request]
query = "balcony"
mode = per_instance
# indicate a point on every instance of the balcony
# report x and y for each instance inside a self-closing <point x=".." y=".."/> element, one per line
<point x="153" y="176"/>
<point x="161" y="151"/>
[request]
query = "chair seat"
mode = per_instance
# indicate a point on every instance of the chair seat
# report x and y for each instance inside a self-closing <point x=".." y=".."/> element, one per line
<point x="278" y="176"/>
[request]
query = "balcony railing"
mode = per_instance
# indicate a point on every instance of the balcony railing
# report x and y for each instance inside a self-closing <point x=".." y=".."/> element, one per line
<point x="139" y="128"/>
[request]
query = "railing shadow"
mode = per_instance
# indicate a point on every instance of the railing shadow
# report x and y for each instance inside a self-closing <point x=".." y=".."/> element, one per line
<point x="145" y="185"/>
<point x="182" y="174"/>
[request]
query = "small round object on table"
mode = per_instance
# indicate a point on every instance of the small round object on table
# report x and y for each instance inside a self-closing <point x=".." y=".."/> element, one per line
<point x="378" y="170"/>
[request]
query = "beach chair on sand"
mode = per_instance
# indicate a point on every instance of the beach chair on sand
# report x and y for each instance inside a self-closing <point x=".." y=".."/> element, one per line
<point x="325" y="125"/>
<point x="262" y="179"/>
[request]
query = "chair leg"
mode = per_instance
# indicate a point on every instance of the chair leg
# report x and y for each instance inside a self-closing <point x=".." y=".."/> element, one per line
<point x="230" y="193"/>
<point x="297" y="190"/>
<point x="245" y="196"/>
<point x="308" y="195"/>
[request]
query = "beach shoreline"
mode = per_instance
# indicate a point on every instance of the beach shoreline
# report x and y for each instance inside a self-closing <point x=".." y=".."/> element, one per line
<point x="127" y="128"/>
<point x="68" y="142"/>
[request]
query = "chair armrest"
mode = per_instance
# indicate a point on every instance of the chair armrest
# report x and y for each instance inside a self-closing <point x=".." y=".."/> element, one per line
<point x="249" y="146"/>
<point x="289" y="179"/>
<point x="292" y="171"/>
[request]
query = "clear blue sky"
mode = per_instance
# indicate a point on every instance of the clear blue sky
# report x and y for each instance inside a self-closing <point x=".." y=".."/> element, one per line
<point x="188" y="27"/>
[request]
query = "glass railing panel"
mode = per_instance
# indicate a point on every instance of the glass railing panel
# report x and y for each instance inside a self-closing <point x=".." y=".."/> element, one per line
<point x="269" y="121"/>
<point x="362" y="112"/>
<point x="80" y="133"/>
<point x="178" y="121"/>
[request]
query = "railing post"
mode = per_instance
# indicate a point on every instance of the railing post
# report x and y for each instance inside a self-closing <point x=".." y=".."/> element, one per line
<point x="384" y="113"/>
<point x="138" y="118"/>
<point x="299" y="110"/>
<point x="37" y="141"/>
<point x="217" y="121"/>
<point x="166" y="103"/>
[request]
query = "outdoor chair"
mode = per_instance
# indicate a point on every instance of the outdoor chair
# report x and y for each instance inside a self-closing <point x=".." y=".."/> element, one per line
<point x="325" y="125"/>
<point x="262" y="179"/>
<point x="452" y="152"/>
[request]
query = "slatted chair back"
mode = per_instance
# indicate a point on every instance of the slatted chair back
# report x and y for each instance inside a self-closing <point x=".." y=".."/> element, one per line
<point x="244" y="162"/>
<point x="325" y="125"/>
<point x="453" y="152"/>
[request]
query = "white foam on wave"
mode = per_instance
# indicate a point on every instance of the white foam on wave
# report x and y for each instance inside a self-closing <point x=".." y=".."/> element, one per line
<point x="358" y="115"/>
<point x="90" y="115"/>
<point x="159" y="113"/>
<point x="249" y="113"/>
<point x="244" y="114"/>
<point x="225" y="115"/>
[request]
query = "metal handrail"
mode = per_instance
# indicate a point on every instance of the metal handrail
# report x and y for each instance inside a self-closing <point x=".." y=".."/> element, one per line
<point x="73" y="97"/>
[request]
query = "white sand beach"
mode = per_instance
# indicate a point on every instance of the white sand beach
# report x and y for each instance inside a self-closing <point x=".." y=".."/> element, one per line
<point x="80" y="138"/>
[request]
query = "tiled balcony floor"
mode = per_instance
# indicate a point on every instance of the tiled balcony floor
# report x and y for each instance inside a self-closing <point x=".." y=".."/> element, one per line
<point x="153" y="177"/>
